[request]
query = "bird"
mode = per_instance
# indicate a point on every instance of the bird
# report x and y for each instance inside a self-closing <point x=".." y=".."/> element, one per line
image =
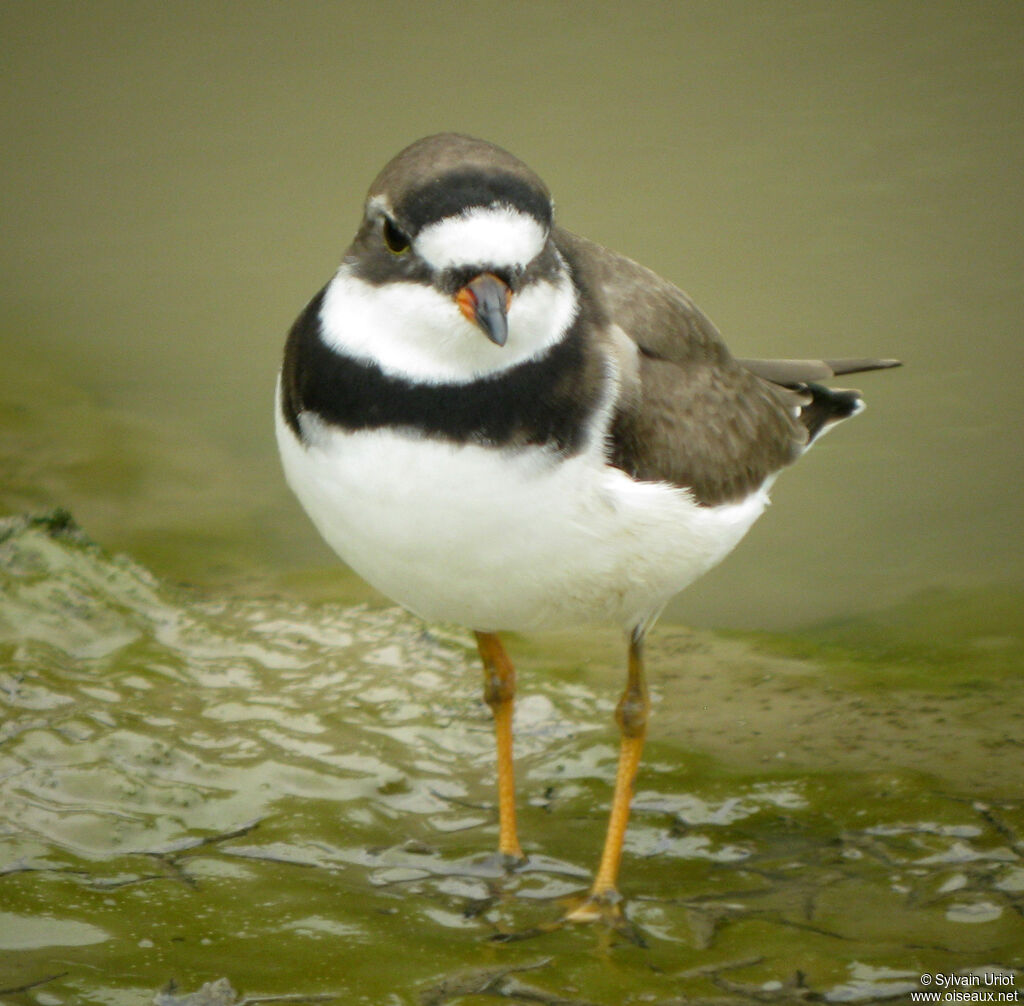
<point x="501" y="424"/>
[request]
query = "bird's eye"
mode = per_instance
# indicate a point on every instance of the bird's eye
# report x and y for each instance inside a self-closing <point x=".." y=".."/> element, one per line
<point x="396" y="240"/>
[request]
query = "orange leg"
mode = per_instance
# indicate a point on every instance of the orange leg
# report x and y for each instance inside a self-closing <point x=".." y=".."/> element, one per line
<point x="631" y="715"/>
<point x="499" y="694"/>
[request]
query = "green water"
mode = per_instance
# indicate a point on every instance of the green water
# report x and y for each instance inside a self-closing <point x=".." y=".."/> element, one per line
<point x="298" y="799"/>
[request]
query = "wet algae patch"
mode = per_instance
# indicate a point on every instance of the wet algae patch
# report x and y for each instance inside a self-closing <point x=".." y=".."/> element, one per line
<point x="298" y="799"/>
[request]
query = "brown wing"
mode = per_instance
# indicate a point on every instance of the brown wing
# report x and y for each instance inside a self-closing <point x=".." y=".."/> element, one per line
<point x="689" y="413"/>
<point x="718" y="431"/>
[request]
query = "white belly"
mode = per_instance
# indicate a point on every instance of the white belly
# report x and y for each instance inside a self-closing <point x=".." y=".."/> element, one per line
<point x="510" y="540"/>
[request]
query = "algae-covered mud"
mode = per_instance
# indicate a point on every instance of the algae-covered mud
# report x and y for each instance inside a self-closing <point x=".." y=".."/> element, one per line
<point x="259" y="800"/>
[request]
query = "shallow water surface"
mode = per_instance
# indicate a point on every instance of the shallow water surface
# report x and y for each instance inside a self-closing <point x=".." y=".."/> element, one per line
<point x="298" y="799"/>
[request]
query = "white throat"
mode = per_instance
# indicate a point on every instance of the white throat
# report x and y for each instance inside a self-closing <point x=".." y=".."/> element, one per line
<point x="416" y="332"/>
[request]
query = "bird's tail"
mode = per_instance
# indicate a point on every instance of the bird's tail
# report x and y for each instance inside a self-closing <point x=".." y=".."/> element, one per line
<point x="819" y="408"/>
<point x="824" y="407"/>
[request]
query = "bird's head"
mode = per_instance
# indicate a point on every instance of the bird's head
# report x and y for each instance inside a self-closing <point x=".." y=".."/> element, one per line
<point x="456" y="239"/>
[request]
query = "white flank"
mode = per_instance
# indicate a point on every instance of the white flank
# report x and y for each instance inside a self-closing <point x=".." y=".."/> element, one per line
<point x="492" y="539"/>
<point x="496" y="236"/>
<point x="414" y="331"/>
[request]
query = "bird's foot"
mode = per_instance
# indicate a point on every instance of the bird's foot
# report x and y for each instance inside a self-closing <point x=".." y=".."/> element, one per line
<point x="603" y="906"/>
<point x="512" y="862"/>
<point x="605" y="909"/>
<point x="505" y="862"/>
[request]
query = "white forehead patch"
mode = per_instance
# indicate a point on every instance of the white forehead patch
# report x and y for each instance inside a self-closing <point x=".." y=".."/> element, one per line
<point x="484" y="235"/>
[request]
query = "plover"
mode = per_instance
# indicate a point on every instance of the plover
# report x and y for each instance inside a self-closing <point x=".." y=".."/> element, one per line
<point x="500" y="424"/>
